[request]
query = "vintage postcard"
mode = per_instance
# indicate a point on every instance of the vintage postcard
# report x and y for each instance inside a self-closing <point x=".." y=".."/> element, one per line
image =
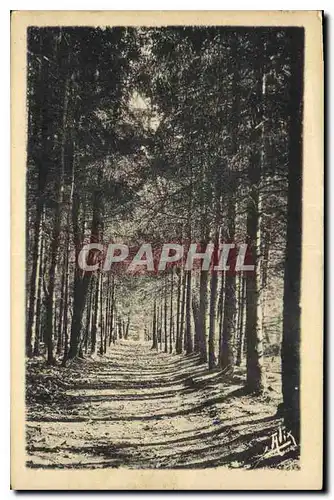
<point x="167" y="250"/>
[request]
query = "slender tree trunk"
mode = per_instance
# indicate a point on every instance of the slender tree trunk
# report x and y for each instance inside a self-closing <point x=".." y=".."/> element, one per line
<point x="197" y="325"/>
<point x="178" y="304"/>
<point x="183" y="303"/>
<point x="106" y="315"/>
<point x="188" y="334"/>
<point x="50" y="308"/>
<point x="112" y="305"/>
<point x="89" y="316"/>
<point x="115" y="325"/>
<point x="64" y="284"/>
<point x="50" y="298"/>
<point x="226" y="357"/>
<point x="154" y="327"/>
<point x="203" y="305"/>
<point x="255" y="376"/>
<point x="95" y="313"/>
<point x="264" y="280"/>
<point x="165" y="316"/>
<point x="60" y="339"/>
<point x="34" y="279"/>
<point x="120" y="333"/>
<point x="171" y="314"/>
<point x="161" y="318"/>
<point x="37" y="328"/>
<point x="65" y="321"/>
<point x="291" y="309"/>
<point x="39" y="125"/>
<point x="255" y="373"/>
<point x="212" y="327"/>
<point x="241" y="320"/>
<point x="101" y="322"/>
<point x="159" y="325"/>
<point x="127" y="327"/>
<point x="82" y="278"/>
<point x="221" y="307"/>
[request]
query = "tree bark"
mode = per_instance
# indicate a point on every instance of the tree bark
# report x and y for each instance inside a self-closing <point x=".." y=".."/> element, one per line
<point x="82" y="278"/>
<point x="188" y="334"/>
<point x="34" y="279"/>
<point x="241" y="320"/>
<point x="154" y="327"/>
<point x="212" y="326"/>
<point x="112" y="305"/>
<point x="227" y="355"/>
<point x="171" y="314"/>
<point x="255" y="373"/>
<point x="95" y="313"/>
<point x="165" y="316"/>
<point x="178" y="305"/>
<point x="196" y="315"/>
<point x="203" y="305"/>
<point x="291" y="309"/>
<point x="101" y="322"/>
<point x="182" y="318"/>
<point x="37" y="328"/>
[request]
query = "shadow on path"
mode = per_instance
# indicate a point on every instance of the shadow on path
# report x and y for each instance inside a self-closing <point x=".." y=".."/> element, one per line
<point x="139" y="409"/>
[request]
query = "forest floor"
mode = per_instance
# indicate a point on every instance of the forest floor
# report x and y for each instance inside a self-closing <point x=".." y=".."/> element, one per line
<point x="139" y="409"/>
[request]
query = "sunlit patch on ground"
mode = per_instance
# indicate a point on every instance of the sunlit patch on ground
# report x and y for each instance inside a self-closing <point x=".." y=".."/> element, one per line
<point x="139" y="409"/>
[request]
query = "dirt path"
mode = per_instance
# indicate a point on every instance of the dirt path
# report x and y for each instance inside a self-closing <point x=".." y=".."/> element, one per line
<point x="139" y="409"/>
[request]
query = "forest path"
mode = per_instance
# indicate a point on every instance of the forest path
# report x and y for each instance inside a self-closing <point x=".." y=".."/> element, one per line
<point x="139" y="409"/>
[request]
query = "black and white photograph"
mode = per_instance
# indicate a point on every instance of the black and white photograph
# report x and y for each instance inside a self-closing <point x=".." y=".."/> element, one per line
<point x="163" y="247"/>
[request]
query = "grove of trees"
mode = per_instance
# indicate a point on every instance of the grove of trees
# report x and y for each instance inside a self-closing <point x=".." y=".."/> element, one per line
<point x="174" y="134"/>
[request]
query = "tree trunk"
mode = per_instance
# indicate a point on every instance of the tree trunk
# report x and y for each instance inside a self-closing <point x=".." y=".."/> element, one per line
<point x="50" y="308"/>
<point x="64" y="286"/>
<point x="171" y="314"/>
<point x="34" y="279"/>
<point x="127" y="327"/>
<point x="183" y="303"/>
<point x="51" y="288"/>
<point x="154" y="327"/>
<point x="221" y="306"/>
<point x="112" y="305"/>
<point x="89" y="316"/>
<point x="255" y="373"/>
<point x="115" y="325"/>
<point x="165" y="316"/>
<point x="160" y="325"/>
<point x="65" y="322"/>
<point x="106" y="315"/>
<point x="60" y="339"/>
<point x="264" y="281"/>
<point x="101" y="322"/>
<point x="178" y="304"/>
<point x="197" y="325"/>
<point x="241" y="320"/>
<point x="37" y="329"/>
<point x="212" y="326"/>
<point x="188" y="335"/>
<point x="82" y="278"/>
<point x="203" y="305"/>
<point x="96" y="281"/>
<point x="291" y="310"/>
<point x="226" y="355"/>
<point x="120" y="333"/>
